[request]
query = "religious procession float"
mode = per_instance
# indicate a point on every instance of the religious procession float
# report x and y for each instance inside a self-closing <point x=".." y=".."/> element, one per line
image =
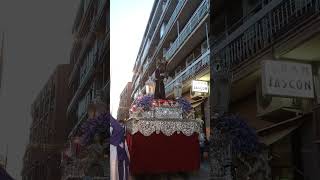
<point x="162" y="134"/>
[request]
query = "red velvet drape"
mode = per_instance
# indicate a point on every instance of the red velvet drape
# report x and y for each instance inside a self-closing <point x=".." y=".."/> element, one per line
<point x="163" y="154"/>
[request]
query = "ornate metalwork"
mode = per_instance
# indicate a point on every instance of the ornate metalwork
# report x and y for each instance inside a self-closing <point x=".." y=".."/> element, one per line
<point x="159" y="113"/>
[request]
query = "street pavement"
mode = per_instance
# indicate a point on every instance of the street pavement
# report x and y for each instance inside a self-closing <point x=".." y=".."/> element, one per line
<point x="202" y="174"/>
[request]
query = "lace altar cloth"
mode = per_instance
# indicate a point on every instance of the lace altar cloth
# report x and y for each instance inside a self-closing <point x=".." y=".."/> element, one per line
<point x="167" y="126"/>
<point x="163" y="119"/>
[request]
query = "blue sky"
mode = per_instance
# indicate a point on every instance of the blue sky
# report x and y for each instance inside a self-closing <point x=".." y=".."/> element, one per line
<point x="128" y="20"/>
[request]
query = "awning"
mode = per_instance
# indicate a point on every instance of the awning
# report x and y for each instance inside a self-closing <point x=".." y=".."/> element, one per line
<point x="196" y="104"/>
<point x="275" y="132"/>
<point x="274" y="137"/>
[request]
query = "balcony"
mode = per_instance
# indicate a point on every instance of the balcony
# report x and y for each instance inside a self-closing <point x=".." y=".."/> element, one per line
<point x="83" y="105"/>
<point x="85" y="20"/>
<point x="106" y="88"/>
<point x="202" y="63"/>
<point x="196" y="18"/>
<point x="155" y="20"/>
<point x="86" y="68"/>
<point x="82" y="53"/>
<point x="164" y="14"/>
<point x="103" y="48"/>
<point x="258" y="32"/>
<point x="136" y="84"/>
<point x="86" y="71"/>
<point x="173" y="18"/>
<point x="101" y="9"/>
<point x="146" y="66"/>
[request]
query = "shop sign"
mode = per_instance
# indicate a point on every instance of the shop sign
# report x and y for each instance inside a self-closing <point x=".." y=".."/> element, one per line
<point x="200" y="86"/>
<point x="289" y="79"/>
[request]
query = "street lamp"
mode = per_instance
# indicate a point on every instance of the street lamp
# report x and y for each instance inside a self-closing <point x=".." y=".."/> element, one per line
<point x="150" y="86"/>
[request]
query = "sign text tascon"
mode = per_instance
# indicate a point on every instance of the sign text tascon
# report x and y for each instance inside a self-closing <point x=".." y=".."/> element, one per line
<point x="200" y="86"/>
<point x="289" y="79"/>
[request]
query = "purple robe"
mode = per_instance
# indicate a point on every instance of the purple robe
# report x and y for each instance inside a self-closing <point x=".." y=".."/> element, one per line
<point x="118" y="137"/>
<point x="4" y="175"/>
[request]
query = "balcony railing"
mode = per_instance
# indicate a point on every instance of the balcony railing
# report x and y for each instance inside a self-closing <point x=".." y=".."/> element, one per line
<point x="101" y="5"/>
<point x="169" y="25"/>
<point x="173" y="16"/>
<point x="88" y="63"/>
<point x="84" y="26"/>
<point x="196" y="18"/>
<point x="136" y="84"/>
<point x="103" y="47"/>
<point x="81" y="55"/>
<point x="94" y="24"/>
<point x="106" y="87"/>
<point x="146" y="66"/>
<point x="262" y="29"/>
<point x="195" y="68"/>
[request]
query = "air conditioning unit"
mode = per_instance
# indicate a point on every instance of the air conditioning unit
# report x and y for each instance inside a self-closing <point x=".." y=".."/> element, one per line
<point x="276" y="108"/>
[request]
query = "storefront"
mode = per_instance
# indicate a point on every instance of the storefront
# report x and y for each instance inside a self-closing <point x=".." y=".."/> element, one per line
<point x="198" y="95"/>
<point x="285" y="120"/>
<point x="284" y="142"/>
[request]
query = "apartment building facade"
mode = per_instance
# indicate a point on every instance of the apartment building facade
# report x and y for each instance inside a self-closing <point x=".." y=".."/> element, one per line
<point x="89" y="58"/>
<point x="49" y="128"/>
<point x="246" y="33"/>
<point x="125" y="102"/>
<point x="178" y="33"/>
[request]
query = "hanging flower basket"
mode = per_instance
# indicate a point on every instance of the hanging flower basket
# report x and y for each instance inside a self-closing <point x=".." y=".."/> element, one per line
<point x="99" y="125"/>
<point x="144" y="102"/>
<point x="243" y="138"/>
<point x="185" y="105"/>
